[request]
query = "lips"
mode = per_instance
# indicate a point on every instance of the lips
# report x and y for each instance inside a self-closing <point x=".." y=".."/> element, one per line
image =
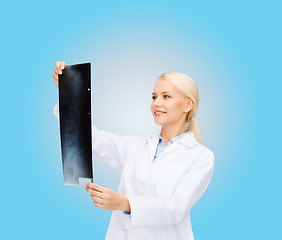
<point x="158" y="113"/>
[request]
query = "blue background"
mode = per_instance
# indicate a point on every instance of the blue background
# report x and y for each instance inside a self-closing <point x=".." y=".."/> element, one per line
<point x="232" y="49"/>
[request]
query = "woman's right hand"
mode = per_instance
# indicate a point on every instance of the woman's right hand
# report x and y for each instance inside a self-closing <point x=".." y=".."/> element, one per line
<point x="60" y="66"/>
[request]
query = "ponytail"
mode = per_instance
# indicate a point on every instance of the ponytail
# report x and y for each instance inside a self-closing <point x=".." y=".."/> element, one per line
<point x="195" y="128"/>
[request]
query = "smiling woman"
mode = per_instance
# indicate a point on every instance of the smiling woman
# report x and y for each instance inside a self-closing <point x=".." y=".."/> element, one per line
<point x="175" y="102"/>
<point x="163" y="175"/>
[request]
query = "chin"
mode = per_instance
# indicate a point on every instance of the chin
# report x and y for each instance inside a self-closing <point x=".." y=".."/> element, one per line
<point x="159" y="123"/>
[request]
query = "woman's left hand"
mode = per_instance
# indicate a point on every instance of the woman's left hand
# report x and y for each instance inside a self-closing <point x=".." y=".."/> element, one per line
<point x="108" y="199"/>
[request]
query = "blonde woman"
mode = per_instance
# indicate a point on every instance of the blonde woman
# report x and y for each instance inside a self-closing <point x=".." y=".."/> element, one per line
<point x="162" y="175"/>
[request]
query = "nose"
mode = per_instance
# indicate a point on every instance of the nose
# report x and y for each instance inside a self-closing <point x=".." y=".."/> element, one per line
<point x="157" y="102"/>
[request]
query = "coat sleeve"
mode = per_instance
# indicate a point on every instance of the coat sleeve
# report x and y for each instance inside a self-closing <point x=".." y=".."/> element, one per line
<point x="151" y="212"/>
<point x="107" y="147"/>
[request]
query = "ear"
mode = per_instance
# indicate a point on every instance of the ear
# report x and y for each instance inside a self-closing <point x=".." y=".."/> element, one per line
<point x="189" y="105"/>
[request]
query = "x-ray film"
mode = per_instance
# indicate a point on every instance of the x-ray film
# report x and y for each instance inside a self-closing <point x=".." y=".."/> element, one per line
<point x="75" y="123"/>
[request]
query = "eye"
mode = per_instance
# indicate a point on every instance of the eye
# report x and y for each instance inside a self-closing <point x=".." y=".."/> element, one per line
<point x="154" y="97"/>
<point x="166" y="96"/>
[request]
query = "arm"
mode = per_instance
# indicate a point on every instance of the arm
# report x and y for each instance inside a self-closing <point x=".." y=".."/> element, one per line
<point x="107" y="147"/>
<point x="161" y="212"/>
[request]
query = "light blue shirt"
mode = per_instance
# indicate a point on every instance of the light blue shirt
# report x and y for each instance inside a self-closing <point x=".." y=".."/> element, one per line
<point x="161" y="146"/>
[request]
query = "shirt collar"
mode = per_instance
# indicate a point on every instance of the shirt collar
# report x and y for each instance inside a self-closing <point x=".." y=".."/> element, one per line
<point x="173" y="139"/>
<point x="188" y="139"/>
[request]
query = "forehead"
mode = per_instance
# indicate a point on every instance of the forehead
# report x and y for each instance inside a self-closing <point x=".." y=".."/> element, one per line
<point x="164" y="85"/>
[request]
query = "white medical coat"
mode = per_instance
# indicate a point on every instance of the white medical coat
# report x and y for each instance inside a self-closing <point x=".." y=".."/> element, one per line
<point x="161" y="193"/>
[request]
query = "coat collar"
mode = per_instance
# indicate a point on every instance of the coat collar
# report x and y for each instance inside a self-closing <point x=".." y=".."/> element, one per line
<point x="188" y="139"/>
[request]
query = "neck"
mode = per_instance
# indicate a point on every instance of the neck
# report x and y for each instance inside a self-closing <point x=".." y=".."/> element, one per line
<point x="169" y="132"/>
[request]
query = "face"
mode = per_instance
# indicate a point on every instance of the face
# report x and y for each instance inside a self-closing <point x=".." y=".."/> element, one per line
<point x="169" y="106"/>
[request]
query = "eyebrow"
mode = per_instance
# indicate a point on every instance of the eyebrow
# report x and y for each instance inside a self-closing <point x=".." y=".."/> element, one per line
<point x="163" y="92"/>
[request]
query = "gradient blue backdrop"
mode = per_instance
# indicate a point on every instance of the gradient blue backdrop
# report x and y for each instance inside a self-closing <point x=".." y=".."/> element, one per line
<point x="232" y="49"/>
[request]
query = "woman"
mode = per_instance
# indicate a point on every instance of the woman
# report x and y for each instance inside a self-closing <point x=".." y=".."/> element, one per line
<point x="163" y="175"/>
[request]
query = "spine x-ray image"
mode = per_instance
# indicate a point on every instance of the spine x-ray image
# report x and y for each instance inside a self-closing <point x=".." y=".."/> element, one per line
<point x="75" y="123"/>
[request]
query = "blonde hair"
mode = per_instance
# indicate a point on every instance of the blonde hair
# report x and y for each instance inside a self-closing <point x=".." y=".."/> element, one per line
<point x="188" y="88"/>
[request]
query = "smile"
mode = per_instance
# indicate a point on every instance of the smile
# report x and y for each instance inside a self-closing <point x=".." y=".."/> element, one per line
<point x="158" y="113"/>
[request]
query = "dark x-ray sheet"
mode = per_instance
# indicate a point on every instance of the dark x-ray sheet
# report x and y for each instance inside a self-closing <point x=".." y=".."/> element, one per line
<point x="75" y="123"/>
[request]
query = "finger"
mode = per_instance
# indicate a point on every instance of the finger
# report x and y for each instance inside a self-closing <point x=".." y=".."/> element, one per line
<point x="63" y="65"/>
<point x="91" y="191"/>
<point x="95" y="186"/>
<point x="56" y="70"/>
<point x="95" y="193"/>
<point x="98" y="205"/>
<point x="97" y="199"/>
<point x="98" y="194"/>
<point x="58" y="67"/>
<point x="55" y="78"/>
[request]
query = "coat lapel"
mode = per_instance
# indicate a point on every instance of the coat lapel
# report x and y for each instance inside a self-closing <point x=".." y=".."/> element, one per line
<point x="153" y="142"/>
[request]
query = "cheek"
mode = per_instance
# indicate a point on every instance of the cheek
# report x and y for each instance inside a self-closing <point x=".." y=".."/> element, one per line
<point x="176" y="107"/>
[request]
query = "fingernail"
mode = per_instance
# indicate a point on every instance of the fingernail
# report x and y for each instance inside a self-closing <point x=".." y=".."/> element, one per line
<point x="62" y="67"/>
<point x="60" y="72"/>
